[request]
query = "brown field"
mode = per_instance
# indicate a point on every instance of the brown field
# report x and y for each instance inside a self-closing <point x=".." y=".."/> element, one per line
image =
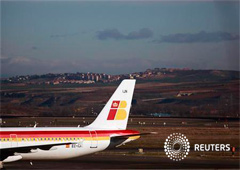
<point x="206" y="99"/>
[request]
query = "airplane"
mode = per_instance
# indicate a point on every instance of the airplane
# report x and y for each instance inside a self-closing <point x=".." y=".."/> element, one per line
<point x="108" y="130"/>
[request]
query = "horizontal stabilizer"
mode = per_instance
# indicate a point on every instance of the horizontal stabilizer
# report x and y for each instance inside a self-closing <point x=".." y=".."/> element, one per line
<point x="137" y="134"/>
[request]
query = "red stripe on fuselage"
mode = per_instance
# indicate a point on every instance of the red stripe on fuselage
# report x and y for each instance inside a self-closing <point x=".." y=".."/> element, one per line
<point x="40" y="134"/>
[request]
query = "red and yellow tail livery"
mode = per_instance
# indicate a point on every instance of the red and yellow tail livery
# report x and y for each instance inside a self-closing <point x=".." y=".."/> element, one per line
<point x="117" y="111"/>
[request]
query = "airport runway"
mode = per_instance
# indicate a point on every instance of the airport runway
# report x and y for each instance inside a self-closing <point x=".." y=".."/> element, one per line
<point x="124" y="162"/>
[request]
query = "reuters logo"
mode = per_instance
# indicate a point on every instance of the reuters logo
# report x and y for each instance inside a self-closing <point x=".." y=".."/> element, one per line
<point x="176" y="146"/>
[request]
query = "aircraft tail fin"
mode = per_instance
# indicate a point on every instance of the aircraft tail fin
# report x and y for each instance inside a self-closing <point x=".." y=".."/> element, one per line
<point x="115" y="113"/>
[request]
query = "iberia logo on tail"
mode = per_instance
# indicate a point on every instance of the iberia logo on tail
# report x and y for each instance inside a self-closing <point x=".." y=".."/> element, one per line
<point x="117" y="111"/>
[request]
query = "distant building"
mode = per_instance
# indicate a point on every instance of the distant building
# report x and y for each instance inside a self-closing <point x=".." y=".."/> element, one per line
<point x="160" y="114"/>
<point x="97" y="78"/>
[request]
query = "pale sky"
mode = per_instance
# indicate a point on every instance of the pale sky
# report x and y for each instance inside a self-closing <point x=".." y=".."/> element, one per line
<point x="117" y="36"/>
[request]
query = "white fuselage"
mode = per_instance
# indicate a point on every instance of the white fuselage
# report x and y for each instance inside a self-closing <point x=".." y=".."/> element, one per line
<point x="82" y="141"/>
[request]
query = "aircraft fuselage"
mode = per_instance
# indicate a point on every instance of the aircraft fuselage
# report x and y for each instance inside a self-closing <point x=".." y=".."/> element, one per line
<point x="68" y="142"/>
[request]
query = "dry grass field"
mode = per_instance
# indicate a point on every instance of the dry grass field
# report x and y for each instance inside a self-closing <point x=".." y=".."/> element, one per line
<point x="181" y="99"/>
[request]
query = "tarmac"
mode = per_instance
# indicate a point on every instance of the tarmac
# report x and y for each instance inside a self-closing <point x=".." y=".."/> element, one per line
<point x="96" y="161"/>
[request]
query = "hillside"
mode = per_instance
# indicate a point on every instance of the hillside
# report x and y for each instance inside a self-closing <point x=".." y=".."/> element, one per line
<point x="159" y="92"/>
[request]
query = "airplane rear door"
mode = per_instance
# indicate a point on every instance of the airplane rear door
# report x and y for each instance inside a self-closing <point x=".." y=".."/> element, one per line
<point x="94" y="139"/>
<point x="14" y="140"/>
